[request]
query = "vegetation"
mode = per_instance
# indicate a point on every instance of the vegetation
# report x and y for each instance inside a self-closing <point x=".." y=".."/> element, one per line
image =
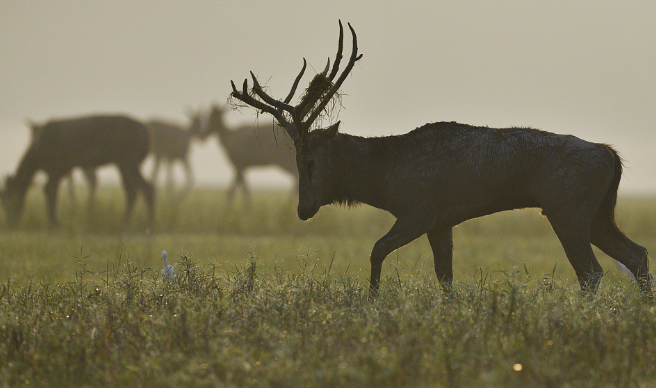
<point x="263" y="299"/>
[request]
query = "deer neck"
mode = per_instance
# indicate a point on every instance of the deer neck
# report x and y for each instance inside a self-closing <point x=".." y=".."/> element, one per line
<point x="26" y="170"/>
<point x="357" y="172"/>
<point x="219" y="126"/>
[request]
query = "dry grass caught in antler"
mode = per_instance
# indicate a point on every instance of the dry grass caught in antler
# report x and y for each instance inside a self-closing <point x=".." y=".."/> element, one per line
<point x="237" y="105"/>
<point x="317" y="90"/>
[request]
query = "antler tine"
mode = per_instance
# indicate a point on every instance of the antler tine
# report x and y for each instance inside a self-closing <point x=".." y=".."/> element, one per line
<point x="245" y="97"/>
<point x="329" y="95"/>
<point x="268" y="99"/>
<point x="325" y="71"/>
<point x="244" y="87"/>
<point x="295" y="85"/>
<point x="338" y="57"/>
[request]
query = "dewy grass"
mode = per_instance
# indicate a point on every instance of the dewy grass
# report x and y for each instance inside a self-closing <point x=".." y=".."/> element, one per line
<point x="127" y="327"/>
<point x="263" y="299"/>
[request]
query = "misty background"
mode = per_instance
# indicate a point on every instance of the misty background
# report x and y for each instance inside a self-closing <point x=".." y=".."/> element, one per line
<point x="585" y="68"/>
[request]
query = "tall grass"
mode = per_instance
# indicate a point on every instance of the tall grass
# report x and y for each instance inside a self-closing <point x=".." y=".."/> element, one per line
<point x="241" y="328"/>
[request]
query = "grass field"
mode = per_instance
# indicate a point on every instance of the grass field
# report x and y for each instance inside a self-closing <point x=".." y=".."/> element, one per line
<point x="263" y="299"/>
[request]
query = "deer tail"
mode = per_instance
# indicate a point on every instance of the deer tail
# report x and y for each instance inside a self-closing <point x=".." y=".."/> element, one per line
<point x="607" y="208"/>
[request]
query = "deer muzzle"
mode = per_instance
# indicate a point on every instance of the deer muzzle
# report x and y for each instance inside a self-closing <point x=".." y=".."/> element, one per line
<point x="307" y="211"/>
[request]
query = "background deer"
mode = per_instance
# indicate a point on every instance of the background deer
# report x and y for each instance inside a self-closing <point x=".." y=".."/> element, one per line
<point x="442" y="174"/>
<point x="252" y="146"/>
<point x="88" y="142"/>
<point x="171" y="143"/>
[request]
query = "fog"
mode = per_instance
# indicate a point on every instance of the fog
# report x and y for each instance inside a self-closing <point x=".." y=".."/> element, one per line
<point x="585" y="68"/>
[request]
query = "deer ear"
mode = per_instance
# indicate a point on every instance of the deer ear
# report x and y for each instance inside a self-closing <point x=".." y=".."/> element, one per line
<point x="331" y="131"/>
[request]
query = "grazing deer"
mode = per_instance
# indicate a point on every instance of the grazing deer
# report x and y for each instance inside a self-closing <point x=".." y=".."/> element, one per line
<point x="87" y="142"/>
<point x="170" y="143"/>
<point x="251" y="146"/>
<point x="442" y="174"/>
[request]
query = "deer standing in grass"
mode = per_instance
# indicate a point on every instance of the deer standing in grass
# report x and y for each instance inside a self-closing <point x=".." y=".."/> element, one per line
<point x="170" y="143"/>
<point x="86" y="142"/>
<point x="252" y="146"/>
<point x="441" y="174"/>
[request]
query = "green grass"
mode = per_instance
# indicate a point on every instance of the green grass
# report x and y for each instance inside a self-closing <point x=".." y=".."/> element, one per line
<point x="263" y="299"/>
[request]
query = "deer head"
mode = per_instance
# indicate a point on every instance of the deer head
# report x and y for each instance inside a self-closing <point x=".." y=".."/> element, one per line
<point x="215" y="123"/>
<point x="298" y="119"/>
<point x="12" y="201"/>
<point x="195" y="126"/>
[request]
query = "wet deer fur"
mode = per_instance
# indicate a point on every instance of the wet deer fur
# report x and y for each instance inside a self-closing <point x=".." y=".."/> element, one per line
<point x="441" y="174"/>
<point x="87" y="142"/>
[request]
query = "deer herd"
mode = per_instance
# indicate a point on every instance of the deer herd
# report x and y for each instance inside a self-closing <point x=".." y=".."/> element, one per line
<point x="430" y="179"/>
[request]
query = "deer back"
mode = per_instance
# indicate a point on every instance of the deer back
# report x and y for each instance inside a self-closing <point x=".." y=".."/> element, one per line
<point x="170" y="140"/>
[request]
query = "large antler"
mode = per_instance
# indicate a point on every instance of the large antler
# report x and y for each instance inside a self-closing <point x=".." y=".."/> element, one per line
<point x="297" y="119"/>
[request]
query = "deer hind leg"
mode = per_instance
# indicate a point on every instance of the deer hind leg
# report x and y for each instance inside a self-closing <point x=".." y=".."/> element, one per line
<point x="607" y="236"/>
<point x="148" y="191"/>
<point x="238" y="181"/>
<point x="402" y="233"/>
<point x="441" y="241"/>
<point x="573" y="231"/>
<point x="189" y="173"/>
<point x="133" y="181"/>
<point x="130" y="187"/>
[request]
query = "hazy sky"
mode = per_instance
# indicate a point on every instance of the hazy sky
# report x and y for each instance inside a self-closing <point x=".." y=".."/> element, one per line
<point x="586" y="68"/>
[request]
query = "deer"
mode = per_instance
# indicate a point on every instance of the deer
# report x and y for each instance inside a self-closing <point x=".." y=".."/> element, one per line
<point x="87" y="142"/>
<point x="170" y="143"/>
<point x="444" y="173"/>
<point x="251" y="146"/>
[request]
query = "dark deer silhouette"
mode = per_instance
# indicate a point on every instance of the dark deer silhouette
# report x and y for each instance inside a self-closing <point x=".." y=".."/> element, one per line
<point x="88" y="142"/>
<point x="171" y="143"/>
<point x="442" y="174"/>
<point x="252" y="146"/>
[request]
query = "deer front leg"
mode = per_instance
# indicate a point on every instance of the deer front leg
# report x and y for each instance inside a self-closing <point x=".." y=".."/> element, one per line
<point x="441" y="241"/>
<point x="155" y="171"/>
<point x="403" y="232"/>
<point x="50" y="191"/>
<point x="92" y="180"/>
